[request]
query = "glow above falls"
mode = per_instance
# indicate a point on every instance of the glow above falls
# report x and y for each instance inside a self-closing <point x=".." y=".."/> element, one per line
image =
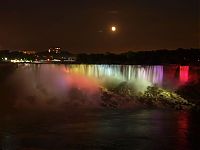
<point x="152" y="74"/>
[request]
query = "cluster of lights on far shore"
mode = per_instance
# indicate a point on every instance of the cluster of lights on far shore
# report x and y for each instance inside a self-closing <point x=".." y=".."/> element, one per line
<point x="20" y="61"/>
<point x="5" y="59"/>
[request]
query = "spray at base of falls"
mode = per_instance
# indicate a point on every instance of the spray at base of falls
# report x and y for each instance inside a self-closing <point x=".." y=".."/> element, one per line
<point x="64" y="86"/>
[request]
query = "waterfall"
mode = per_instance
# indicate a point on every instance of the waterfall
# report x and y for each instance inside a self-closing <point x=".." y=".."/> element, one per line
<point x="184" y="74"/>
<point x="152" y="74"/>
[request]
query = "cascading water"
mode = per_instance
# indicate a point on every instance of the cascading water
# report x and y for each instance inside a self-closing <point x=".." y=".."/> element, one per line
<point x="184" y="74"/>
<point x="152" y="74"/>
<point x="56" y="85"/>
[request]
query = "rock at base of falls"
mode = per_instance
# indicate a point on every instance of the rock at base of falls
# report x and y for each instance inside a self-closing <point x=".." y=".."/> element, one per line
<point x="125" y="97"/>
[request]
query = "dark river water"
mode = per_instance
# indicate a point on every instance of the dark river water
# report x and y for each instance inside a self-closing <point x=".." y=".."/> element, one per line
<point x="56" y="107"/>
<point x="143" y="129"/>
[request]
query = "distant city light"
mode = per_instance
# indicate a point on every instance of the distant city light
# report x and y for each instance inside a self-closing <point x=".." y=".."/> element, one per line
<point x="55" y="50"/>
<point x="56" y="60"/>
<point x="20" y="61"/>
<point x="5" y="58"/>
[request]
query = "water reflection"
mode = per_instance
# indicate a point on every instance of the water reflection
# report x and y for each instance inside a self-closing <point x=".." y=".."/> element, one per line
<point x="9" y="142"/>
<point x="183" y="133"/>
<point x="99" y="129"/>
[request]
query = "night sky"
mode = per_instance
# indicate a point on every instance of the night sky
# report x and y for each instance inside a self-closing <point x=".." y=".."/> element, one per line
<point x="84" y="25"/>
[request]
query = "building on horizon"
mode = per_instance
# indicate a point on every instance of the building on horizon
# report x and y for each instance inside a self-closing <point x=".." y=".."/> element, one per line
<point x="28" y="52"/>
<point x="55" y="50"/>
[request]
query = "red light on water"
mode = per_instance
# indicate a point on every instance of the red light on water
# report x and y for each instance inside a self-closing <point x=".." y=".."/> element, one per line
<point x="182" y="130"/>
<point x="184" y="74"/>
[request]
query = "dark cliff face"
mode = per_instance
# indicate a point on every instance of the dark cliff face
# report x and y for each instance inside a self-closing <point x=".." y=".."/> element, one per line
<point x="191" y="91"/>
<point x="6" y="69"/>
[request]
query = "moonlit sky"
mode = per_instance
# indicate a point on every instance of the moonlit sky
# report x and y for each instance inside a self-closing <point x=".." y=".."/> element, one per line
<point x="85" y="25"/>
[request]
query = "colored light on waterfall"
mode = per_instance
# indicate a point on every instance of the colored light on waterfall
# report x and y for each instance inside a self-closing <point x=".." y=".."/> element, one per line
<point x="184" y="74"/>
<point x="152" y="74"/>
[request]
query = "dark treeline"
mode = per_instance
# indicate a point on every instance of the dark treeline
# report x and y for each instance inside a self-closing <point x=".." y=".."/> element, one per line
<point x="178" y="56"/>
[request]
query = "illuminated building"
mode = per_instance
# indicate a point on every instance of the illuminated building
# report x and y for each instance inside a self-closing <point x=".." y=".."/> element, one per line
<point x="55" y="50"/>
<point x="29" y="52"/>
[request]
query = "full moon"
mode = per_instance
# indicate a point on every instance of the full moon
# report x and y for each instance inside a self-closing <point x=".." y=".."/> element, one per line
<point x="113" y="29"/>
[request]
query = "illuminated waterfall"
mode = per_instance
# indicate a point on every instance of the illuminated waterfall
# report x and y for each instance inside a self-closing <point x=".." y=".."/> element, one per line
<point x="184" y="74"/>
<point x="153" y="74"/>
